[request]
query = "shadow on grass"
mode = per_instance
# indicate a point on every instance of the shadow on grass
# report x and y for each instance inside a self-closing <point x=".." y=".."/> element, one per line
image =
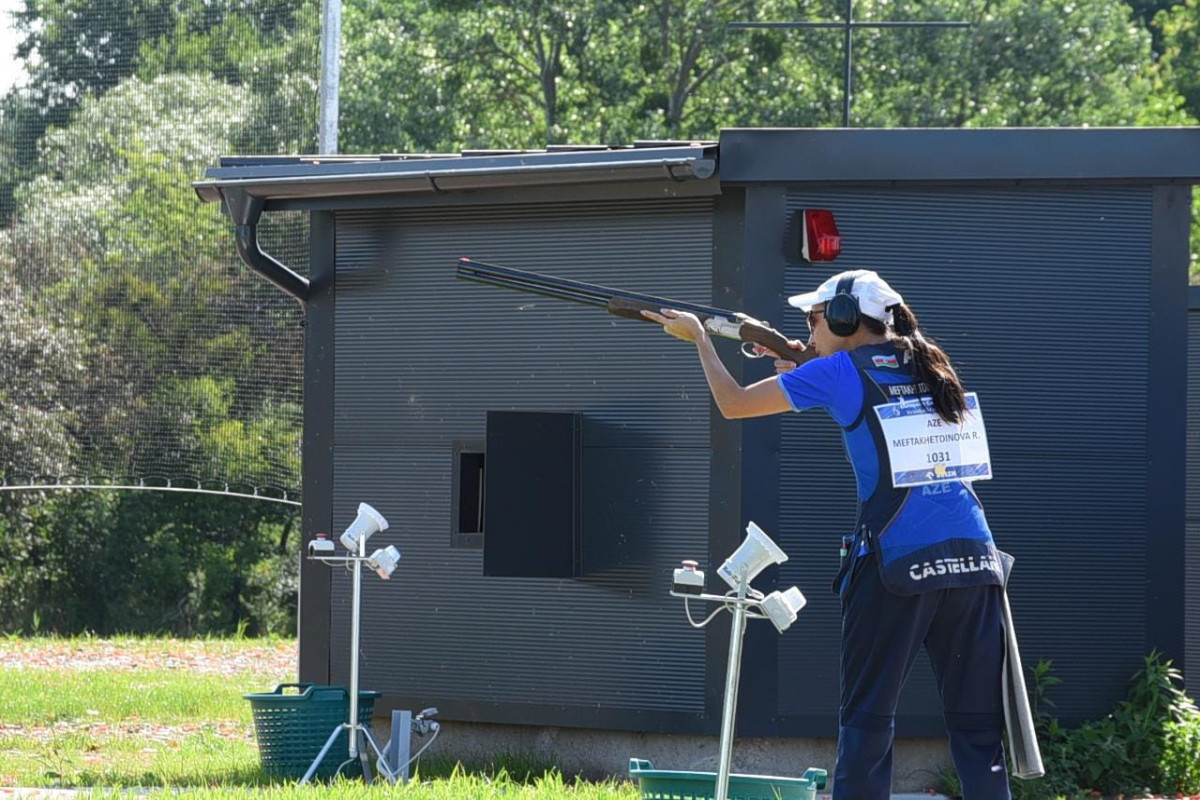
<point x="514" y="767"/>
<point x="508" y="768"/>
<point x="237" y="776"/>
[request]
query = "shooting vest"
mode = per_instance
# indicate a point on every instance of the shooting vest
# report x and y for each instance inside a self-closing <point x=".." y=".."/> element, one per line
<point x="928" y="537"/>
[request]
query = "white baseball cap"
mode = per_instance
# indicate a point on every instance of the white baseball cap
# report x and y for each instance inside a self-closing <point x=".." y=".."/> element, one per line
<point x="874" y="295"/>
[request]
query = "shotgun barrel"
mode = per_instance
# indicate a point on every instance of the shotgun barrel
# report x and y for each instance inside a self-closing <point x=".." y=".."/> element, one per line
<point x="566" y="289"/>
<point x="624" y="303"/>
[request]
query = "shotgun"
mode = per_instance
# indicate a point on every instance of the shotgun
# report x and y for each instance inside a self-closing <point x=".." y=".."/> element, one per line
<point x="623" y="303"/>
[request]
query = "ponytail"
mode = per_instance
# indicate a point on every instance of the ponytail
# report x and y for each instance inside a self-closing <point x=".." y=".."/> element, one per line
<point x="931" y="365"/>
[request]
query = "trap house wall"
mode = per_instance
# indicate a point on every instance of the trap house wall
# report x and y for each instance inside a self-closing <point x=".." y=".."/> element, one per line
<point x="545" y="465"/>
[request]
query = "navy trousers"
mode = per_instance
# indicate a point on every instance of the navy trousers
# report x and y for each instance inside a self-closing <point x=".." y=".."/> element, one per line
<point x="881" y="634"/>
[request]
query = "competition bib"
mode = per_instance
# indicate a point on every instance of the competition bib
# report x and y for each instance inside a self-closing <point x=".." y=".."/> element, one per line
<point x="923" y="448"/>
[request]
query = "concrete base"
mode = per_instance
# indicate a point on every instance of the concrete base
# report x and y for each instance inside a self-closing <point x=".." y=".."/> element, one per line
<point x="596" y="755"/>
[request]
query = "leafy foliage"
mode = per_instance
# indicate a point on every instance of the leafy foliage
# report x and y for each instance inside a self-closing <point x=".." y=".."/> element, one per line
<point x="38" y="355"/>
<point x="137" y="344"/>
<point x="1180" y="62"/>
<point x="1150" y="743"/>
<point x="1178" y="74"/>
<point x="111" y="233"/>
<point x="110" y="562"/>
<point x="455" y="74"/>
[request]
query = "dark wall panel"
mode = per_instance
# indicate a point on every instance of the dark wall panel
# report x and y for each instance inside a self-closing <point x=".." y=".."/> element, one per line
<point x="421" y="357"/>
<point x="1036" y="293"/>
<point x="1192" y="625"/>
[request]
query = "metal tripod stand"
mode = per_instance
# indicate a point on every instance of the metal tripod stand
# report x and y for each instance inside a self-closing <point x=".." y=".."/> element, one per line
<point x="738" y="606"/>
<point x="354" y="728"/>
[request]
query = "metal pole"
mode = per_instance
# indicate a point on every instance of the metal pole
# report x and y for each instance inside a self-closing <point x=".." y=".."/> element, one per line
<point x="732" y="672"/>
<point x="362" y="553"/>
<point x="849" y="76"/>
<point x="353" y="727"/>
<point x="331" y="51"/>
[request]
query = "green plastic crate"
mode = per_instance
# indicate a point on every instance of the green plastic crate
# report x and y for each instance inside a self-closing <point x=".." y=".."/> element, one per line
<point x="661" y="784"/>
<point x="292" y="727"/>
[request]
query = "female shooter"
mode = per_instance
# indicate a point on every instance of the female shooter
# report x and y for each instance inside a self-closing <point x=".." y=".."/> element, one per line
<point x="921" y="566"/>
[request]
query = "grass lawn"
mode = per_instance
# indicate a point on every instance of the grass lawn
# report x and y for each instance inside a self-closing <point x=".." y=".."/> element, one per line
<point x="168" y="713"/>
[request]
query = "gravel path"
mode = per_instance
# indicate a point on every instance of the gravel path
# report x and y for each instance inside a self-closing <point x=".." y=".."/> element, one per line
<point x="276" y="658"/>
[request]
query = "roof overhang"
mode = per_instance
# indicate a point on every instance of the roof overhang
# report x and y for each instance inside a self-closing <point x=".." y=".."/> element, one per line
<point x="316" y="177"/>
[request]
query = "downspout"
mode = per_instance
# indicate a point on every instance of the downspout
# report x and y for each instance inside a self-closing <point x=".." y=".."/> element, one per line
<point x="245" y="211"/>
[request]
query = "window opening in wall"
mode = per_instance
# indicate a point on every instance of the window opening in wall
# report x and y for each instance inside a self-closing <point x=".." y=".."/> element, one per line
<point x="470" y="493"/>
<point x="468" y="502"/>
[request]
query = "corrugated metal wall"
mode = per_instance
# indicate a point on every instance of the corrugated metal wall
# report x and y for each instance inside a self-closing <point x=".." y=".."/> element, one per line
<point x="1036" y="294"/>
<point x="1192" y="626"/>
<point x="421" y="357"/>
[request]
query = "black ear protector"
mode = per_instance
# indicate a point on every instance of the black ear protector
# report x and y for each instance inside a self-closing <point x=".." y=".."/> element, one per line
<point x="841" y="311"/>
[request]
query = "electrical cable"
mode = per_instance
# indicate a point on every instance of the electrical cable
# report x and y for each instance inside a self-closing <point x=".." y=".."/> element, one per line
<point x="436" y="728"/>
<point x="724" y="607"/>
<point x="392" y="774"/>
<point x="687" y="609"/>
<point x="381" y="762"/>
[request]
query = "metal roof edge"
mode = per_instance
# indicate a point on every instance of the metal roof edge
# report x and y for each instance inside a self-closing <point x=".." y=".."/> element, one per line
<point x="791" y="155"/>
<point x="345" y="177"/>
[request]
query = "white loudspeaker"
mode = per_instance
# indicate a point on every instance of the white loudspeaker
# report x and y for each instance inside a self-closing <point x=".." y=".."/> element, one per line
<point x="384" y="561"/>
<point x="366" y="523"/>
<point x="756" y="553"/>
<point x="782" y="607"/>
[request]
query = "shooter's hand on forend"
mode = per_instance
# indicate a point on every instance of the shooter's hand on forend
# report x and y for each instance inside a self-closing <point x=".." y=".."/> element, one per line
<point x="680" y="324"/>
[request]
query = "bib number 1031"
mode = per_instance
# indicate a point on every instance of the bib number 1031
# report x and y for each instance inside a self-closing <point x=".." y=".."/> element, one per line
<point x="924" y="449"/>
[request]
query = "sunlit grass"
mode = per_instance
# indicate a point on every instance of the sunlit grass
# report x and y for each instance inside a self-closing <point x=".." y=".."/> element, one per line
<point x="36" y="698"/>
<point x="462" y="786"/>
<point x="156" y="712"/>
<point x="84" y="759"/>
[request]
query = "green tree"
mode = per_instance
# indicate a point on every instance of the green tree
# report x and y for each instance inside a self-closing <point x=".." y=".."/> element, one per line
<point x="1179" y="66"/>
<point x="112" y="233"/>
<point x="41" y="362"/>
<point x="684" y="49"/>
<point x="460" y="74"/>
<point x="521" y="52"/>
<point x="1178" y="72"/>
<point x="78" y="49"/>
<point x="402" y="81"/>
<point x="131" y="340"/>
<point x="21" y="123"/>
<point x="269" y="48"/>
<point x="74" y="50"/>
<point x="1146" y="10"/>
<point x="1020" y="64"/>
<point x="142" y="562"/>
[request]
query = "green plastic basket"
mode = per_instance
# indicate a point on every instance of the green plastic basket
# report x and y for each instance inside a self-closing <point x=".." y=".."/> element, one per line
<point x="661" y="784"/>
<point x="292" y="728"/>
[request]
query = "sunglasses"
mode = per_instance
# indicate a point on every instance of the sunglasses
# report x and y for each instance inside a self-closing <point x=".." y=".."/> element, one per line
<point x="811" y="316"/>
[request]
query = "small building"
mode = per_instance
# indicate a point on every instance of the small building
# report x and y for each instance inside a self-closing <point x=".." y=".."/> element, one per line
<point x="544" y="466"/>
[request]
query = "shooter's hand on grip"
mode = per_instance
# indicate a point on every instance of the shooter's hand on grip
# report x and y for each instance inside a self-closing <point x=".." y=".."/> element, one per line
<point x="776" y="343"/>
<point x="783" y="365"/>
